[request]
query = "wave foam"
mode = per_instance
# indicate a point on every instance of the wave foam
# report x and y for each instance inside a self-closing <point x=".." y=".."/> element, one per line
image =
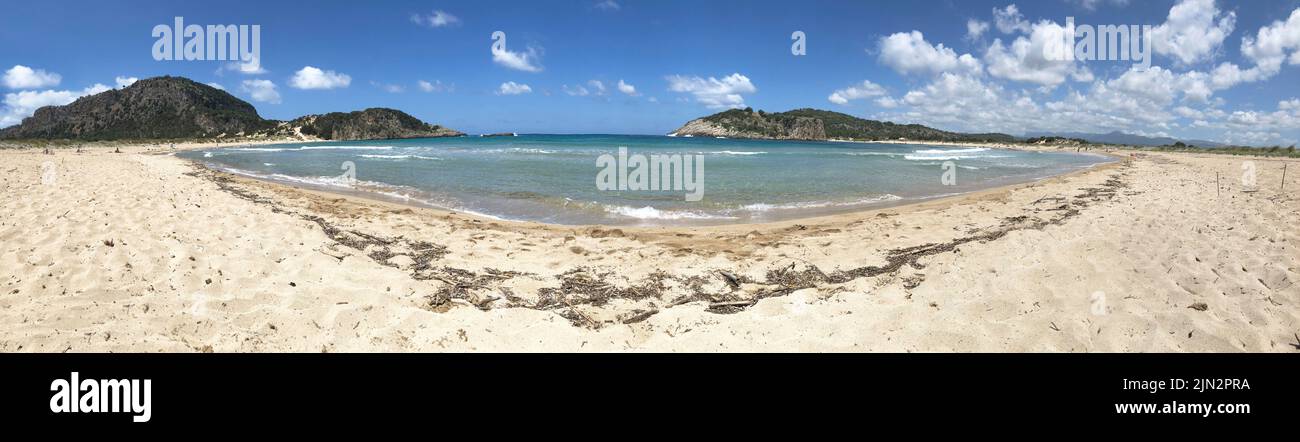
<point x="648" y="212"/>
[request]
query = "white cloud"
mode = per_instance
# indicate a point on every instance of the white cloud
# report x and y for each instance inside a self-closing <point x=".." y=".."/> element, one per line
<point x="252" y="67"/>
<point x="437" y="19"/>
<point x="608" y="5"/>
<point x="1009" y="19"/>
<point x="436" y="86"/>
<point x="23" y="77"/>
<point x="512" y="88"/>
<point x="976" y="28"/>
<point x="1193" y="32"/>
<point x="856" y="92"/>
<point x="1025" y="59"/>
<point x="576" y="91"/>
<point x="712" y="92"/>
<point x="527" y="61"/>
<point x="125" y="81"/>
<point x="593" y="87"/>
<point x="390" y="88"/>
<point x="314" y="78"/>
<point x="217" y="86"/>
<point x="23" y="104"/>
<point x="1270" y="46"/>
<point x="908" y="52"/>
<point x="627" y="88"/>
<point x="261" y="91"/>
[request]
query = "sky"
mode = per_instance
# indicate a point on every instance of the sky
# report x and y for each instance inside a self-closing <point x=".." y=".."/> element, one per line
<point x="1220" y="70"/>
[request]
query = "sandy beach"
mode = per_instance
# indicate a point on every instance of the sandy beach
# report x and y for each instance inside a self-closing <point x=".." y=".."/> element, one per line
<point x="140" y="251"/>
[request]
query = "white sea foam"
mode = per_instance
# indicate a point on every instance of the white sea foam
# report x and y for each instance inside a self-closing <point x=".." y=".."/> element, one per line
<point x="872" y="154"/>
<point x="951" y="154"/>
<point x="763" y="207"/>
<point x="732" y="152"/>
<point x="648" y="212"/>
<point x="346" y="148"/>
<point x="258" y="149"/>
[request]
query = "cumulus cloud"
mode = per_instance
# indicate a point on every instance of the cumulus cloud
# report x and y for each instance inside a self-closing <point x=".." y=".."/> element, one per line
<point x="712" y="92"/>
<point x="23" y="77"/>
<point x="125" y="81"/>
<point x="976" y="29"/>
<point x="1009" y="19"/>
<point x="512" y="88"/>
<point x="1025" y="58"/>
<point x="1193" y="32"/>
<point x="627" y="89"/>
<point x="909" y="53"/>
<point x="527" y="61"/>
<point x="251" y="67"/>
<point x="315" y="78"/>
<point x="866" y="89"/>
<point x="437" y="19"/>
<point x="217" y="86"/>
<point x="22" y="104"/>
<point x="1274" y="44"/>
<point x="261" y="91"/>
<point x="608" y="5"/>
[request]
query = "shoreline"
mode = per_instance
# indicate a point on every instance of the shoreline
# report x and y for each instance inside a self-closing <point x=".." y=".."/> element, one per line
<point x="812" y="216"/>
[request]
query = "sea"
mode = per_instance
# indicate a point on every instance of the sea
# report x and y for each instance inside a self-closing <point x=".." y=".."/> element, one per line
<point x="555" y="178"/>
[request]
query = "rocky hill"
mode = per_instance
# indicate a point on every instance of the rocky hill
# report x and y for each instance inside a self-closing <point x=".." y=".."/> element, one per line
<point x="162" y="107"/>
<point x="369" y="124"/>
<point x="177" y="107"/>
<point x="814" y="124"/>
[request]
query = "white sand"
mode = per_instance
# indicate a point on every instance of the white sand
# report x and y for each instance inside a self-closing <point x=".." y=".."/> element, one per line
<point x="194" y="267"/>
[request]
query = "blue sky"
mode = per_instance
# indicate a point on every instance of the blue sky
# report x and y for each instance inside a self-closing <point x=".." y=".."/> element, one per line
<point x="1226" y="71"/>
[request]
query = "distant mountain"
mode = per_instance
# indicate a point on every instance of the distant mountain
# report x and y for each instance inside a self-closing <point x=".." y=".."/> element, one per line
<point x="177" y="107"/>
<point x="162" y="107"/>
<point x="369" y="124"/>
<point x="1127" y="139"/>
<point x="814" y="124"/>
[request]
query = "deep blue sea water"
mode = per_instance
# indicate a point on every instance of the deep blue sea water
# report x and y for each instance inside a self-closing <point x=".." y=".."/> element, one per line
<point x="552" y="178"/>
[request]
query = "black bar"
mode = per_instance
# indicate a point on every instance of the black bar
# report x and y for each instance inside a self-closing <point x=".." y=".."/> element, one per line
<point x="354" y="390"/>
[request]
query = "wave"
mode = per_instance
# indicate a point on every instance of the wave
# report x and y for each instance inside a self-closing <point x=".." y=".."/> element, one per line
<point x="732" y="152"/>
<point x="763" y="207"/>
<point x="648" y="212"/>
<point x="398" y="157"/>
<point x="882" y="154"/>
<point x="258" y="149"/>
<point x="345" y="148"/>
<point x="950" y="154"/>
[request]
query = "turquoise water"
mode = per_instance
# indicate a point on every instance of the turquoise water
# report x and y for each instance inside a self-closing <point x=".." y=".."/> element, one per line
<point x="552" y="178"/>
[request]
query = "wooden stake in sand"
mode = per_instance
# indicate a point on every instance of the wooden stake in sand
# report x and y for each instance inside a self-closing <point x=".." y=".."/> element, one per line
<point x="1283" y="187"/>
<point x="1216" y="184"/>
